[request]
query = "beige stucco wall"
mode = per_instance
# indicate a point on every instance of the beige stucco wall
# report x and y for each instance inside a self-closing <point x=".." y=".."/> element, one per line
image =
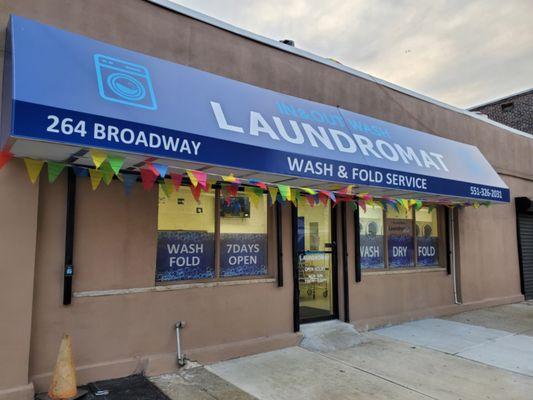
<point x="115" y="234"/>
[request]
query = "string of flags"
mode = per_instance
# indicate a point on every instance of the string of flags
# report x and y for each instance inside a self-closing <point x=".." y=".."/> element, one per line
<point x="107" y="166"/>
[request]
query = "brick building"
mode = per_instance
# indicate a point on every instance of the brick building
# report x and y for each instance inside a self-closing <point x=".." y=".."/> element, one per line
<point x="515" y="111"/>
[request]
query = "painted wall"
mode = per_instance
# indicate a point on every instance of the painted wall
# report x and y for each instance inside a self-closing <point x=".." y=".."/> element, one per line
<point x="116" y="235"/>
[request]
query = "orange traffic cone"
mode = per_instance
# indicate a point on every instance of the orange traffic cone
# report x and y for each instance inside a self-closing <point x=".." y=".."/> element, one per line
<point x="64" y="379"/>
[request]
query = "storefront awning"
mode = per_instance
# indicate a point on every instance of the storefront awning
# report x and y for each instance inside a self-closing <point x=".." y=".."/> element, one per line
<point x="65" y="93"/>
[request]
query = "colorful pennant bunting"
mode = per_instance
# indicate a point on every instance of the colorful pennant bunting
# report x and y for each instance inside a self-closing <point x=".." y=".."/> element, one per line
<point x="196" y="191"/>
<point x="176" y="180"/>
<point x="148" y="178"/>
<point x="273" y="191"/>
<point x="285" y="192"/>
<point x="115" y="163"/>
<point x="5" y="157"/>
<point x="34" y="168"/>
<point x="129" y="180"/>
<point x="160" y="169"/>
<point x="80" y="172"/>
<point x="96" y="177"/>
<point x="230" y="179"/>
<point x="168" y="187"/>
<point x="361" y="203"/>
<point x="253" y="195"/>
<point x="197" y="178"/>
<point x="54" y="170"/>
<point x="98" y="157"/>
<point x="258" y="183"/>
<point x="107" y="172"/>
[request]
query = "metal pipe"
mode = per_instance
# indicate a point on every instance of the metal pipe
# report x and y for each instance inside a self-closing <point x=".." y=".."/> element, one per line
<point x="452" y="256"/>
<point x="181" y="356"/>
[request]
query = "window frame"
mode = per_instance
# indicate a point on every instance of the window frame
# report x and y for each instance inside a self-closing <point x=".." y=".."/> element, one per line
<point x="270" y="250"/>
<point x="442" y="235"/>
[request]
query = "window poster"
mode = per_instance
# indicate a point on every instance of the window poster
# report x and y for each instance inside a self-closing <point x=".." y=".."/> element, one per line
<point x="427" y="253"/>
<point x="184" y="255"/>
<point x="371" y="245"/>
<point x="400" y="242"/>
<point x="243" y="254"/>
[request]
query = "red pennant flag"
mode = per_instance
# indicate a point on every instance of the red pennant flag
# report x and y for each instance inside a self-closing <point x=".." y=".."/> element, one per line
<point x="362" y="204"/>
<point x="196" y="191"/>
<point x="5" y="156"/>
<point x="198" y="178"/>
<point x="310" y="200"/>
<point x="176" y="180"/>
<point x="323" y="197"/>
<point x="148" y="177"/>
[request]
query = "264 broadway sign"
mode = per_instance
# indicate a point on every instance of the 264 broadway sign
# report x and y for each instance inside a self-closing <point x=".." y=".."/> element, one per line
<point x="92" y="94"/>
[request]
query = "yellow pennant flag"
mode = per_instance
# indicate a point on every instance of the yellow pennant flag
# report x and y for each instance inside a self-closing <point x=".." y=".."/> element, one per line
<point x="96" y="177"/>
<point x="98" y="157"/>
<point x="405" y="204"/>
<point x="34" y="168"/>
<point x="310" y="191"/>
<point x="192" y="177"/>
<point x="273" y="190"/>
<point x="254" y="198"/>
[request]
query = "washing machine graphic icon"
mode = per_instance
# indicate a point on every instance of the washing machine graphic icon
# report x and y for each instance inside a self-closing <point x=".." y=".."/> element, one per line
<point x="124" y="82"/>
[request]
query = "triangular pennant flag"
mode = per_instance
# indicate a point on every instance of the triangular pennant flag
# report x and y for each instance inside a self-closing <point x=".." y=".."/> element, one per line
<point x="176" y="180"/>
<point x="161" y="169"/>
<point x="34" y="168"/>
<point x="323" y="197"/>
<point x="294" y="197"/>
<point x="148" y="177"/>
<point x="54" y="170"/>
<point x="258" y="183"/>
<point x="230" y="179"/>
<point x="5" y="156"/>
<point x="197" y="178"/>
<point x="196" y="191"/>
<point x="254" y="198"/>
<point x="405" y="204"/>
<point x="476" y="204"/>
<point x="115" y="162"/>
<point x="418" y="205"/>
<point x="129" y="180"/>
<point x="231" y="190"/>
<point x="98" y="157"/>
<point x="168" y="187"/>
<point x="80" y="172"/>
<point x="273" y="191"/>
<point x="310" y="200"/>
<point x="107" y="172"/>
<point x="96" y="177"/>
<point x="361" y="203"/>
<point x="310" y="191"/>
<point x="285" y="192"/>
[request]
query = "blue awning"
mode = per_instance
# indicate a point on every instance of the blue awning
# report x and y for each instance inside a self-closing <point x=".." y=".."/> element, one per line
<point x="79" y="93"/>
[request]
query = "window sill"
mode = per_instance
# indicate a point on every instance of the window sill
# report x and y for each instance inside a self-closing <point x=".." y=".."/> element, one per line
<point x="404" y="271"/>
<point x="167" y="288"/>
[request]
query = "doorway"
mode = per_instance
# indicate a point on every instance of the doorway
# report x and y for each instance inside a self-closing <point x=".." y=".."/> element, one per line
<point x="316" y="264"/>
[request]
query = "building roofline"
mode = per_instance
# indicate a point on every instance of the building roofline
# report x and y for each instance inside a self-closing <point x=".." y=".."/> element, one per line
<point x="170" y="5"/>
<point x="500" y="99"/>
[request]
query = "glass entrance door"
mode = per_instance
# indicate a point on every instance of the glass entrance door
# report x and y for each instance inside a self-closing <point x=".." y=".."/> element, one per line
<point x="317" y="296"/>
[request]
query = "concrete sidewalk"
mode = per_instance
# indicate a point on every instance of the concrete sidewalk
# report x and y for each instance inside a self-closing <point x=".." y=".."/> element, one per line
<point x="485" y="354"/>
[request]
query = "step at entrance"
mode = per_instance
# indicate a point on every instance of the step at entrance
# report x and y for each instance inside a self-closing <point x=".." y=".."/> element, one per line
<point x="329" y="336"/>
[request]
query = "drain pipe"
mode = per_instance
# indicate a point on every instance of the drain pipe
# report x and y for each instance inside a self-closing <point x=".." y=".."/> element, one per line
<point x="452" y="257"/>
<point x="181" y="356"/>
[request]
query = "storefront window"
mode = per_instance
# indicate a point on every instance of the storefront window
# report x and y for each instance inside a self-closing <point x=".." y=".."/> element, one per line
<point x="371" y="237"/>
<point x="400" y="238"/>
<point x="243" y="236"/>
<point x="216" y="237"/>
<point x="185" y="236"/>
<point x="427" y="237"/>
<point x="397" y="233"/>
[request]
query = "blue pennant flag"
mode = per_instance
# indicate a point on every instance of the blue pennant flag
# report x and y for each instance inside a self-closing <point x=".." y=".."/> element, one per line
<point x="161" y="168"/>
<point x="129" y="181"/>
<point x="80" y="172"/>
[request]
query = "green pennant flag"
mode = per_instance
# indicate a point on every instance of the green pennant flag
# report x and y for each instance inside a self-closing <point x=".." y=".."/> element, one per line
<point x="107" y="173"/>
<point x="418" y="205"/>
<point x="285" y="192"/>
<point x="168" y="187"/>
<point x="115" y="162"/>
<point x="54" y="170"/>
<point x="252" y="195"/>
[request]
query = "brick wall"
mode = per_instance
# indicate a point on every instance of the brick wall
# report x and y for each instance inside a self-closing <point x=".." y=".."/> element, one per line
<point x="515" y="111"/>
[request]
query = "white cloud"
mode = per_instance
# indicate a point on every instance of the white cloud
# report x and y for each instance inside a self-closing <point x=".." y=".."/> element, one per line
<point x="460" y="52"/>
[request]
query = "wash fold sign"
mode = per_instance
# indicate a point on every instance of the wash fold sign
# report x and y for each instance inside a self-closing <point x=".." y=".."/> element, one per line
<point x="69" y="89"/>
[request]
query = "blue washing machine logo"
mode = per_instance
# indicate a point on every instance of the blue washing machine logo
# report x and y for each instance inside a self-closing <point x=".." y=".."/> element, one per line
<point x="124" y="82"/>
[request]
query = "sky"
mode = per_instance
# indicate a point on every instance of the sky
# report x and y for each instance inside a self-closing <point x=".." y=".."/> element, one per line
<point x="460" y="52"/>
